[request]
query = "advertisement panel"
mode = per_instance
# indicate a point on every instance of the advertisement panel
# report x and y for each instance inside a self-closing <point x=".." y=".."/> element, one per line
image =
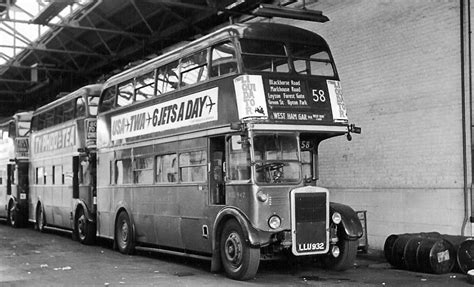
<point x="55" y="140"/>
<point x="194" y="109"/>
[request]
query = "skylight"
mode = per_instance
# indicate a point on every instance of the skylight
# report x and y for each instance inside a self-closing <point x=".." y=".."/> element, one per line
<point x="17" y="30"/>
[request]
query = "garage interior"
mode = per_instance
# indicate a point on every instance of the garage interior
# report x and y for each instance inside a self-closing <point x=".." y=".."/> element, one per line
<point x="86" y="41"/>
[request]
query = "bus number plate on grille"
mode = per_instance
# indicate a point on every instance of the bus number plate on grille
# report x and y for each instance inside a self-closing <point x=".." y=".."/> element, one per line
<point x="309" y="217"/>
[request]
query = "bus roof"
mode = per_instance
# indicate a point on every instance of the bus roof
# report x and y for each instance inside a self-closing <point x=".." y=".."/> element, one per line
<point x="26" y="115"/>
<point x="86" y="89"/>
<point x="267" y="31"/>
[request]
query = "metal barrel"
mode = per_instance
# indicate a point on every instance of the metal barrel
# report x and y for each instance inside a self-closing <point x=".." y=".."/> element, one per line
<point x="456" y="241"/>
<point x="388" y="247"/>
<point x="435" y="255"/>
<point x="394" y="255"/>
<point x="410" y="252"/>
<point x="398" y="251"/>
<point x="465" y="255"/>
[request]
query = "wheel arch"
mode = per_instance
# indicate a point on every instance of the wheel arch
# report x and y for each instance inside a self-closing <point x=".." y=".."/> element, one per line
<point x="11" y="200"/>
<point x="350" y="221"/>
<point x="80" y="204"/>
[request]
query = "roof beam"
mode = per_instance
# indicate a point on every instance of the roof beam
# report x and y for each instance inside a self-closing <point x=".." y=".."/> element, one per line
<point x="40" y="68"/>
<point x="182" y="4"/>
<point x="39" y="48"/>
<point x="141" y="16"/>
<point x="16" y="81"/>
<point x="76" y="25"/>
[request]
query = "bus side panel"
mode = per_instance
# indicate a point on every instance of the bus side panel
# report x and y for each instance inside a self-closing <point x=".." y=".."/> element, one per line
<point x="3" y="201"/>
<point x="156" y="212"/>
<point x="194" y="201"/>
<point x="105" y="199"/>
<point x="105" y="212"/>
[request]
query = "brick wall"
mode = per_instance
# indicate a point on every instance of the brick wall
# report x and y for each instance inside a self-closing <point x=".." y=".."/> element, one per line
<point x="400" y="68"/>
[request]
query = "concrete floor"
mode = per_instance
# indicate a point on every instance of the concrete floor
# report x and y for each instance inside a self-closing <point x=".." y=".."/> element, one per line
<point x="30" y="258"/>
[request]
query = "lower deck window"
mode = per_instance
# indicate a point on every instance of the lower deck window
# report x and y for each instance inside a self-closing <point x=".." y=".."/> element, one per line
<point x="192" y="166"/>
<point x="143" y="170"/>
<point x="166" y="168"/>
<point x="123" y="171"/>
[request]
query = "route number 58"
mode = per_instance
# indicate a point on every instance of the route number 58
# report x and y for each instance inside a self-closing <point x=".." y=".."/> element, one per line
<point x="319" y="96"/>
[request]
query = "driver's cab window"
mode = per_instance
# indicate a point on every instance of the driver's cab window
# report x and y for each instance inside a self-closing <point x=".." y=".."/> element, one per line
<point x="239" y="158"/>
<point x="276" y="158"/>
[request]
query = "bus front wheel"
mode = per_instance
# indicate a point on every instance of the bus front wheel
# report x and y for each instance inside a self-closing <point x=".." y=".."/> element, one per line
<point x="124" y="234"/>
<point x="239" y="259"/>
<point x="84" y="228"/>
<point x="40" y="220"/>
<point x="346" y="258"/>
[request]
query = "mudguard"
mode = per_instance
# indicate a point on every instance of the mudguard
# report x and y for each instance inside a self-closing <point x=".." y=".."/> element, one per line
<point x="253" y="237"/>
<point x="86" y="209"/>
<point x="350" y="221"/>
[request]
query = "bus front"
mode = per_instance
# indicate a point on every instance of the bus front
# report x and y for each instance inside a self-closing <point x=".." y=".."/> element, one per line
<point x="289" y="99"/>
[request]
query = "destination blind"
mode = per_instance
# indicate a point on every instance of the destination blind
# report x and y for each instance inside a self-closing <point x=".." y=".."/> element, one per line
<point x="315" y="100"/>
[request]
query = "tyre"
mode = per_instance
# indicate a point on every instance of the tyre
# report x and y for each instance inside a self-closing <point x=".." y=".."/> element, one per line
<point x="346" y="258"/>
<point x="40" y="220"/>
<point x="85" y="230"/>
<point x="124" y="234"/>
<point x="240" y="261"/>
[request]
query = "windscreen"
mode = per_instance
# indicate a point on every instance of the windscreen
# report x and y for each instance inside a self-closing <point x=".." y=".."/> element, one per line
<point x="276" y="158"/>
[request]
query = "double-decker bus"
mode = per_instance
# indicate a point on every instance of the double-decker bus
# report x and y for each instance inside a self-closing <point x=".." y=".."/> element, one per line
<point x="63" y="162"/>
<point x="211" y="151"/>
<point x="14" y="150"/>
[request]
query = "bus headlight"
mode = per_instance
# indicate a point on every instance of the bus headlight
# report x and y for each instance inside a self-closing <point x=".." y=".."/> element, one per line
<point x="335" y="251"/>
<point x="336" y="217"/>
<point x="262" y="196"/>
<point x="274" y="222"/>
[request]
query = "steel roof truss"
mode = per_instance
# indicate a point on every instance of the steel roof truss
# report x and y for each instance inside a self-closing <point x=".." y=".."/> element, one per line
<point x="134" y="4"/>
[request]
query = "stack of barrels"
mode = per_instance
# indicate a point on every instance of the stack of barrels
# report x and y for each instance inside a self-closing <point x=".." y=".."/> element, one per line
<point x="430" y="252"/>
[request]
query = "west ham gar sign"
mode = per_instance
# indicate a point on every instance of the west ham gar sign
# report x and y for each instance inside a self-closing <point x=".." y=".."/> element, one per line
<point x="186" y="111"/>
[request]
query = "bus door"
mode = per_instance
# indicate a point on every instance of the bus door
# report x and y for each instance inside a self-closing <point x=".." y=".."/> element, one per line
<point x="10" y="178"/>
<point x="217" y="171"/>
<point x="5" y="189"/>
<point x="22" y="183"/>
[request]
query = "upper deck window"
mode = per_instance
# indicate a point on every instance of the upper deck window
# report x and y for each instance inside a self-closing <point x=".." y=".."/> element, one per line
<point x="68" y="110"/>
<point x="311" y="60"/>
<point x="80" y="107"/>
<point x="268" y="56"/>
<point x="194" y="68"/>
<point x="145" y="86"/>
<point x="49" y="118"/>
<point x="108" y="99"/>
<point x="125" y="94"/>
<point x="223" y="59"/>
<point x="167" y="78"/>
<point x="93" y="103"/>
<point x="58" y="114"/>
